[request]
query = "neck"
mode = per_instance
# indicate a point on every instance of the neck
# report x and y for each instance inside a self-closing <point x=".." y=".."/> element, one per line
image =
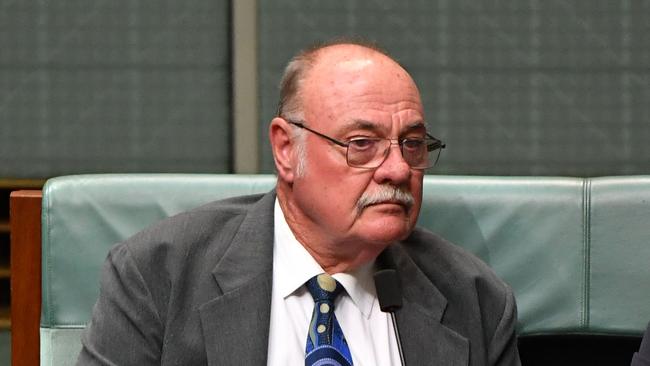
<point x="332" y="264"/>
<point x="334" y="255"/>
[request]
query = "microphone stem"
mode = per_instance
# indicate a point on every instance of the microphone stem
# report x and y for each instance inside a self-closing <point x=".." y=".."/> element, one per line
<point x="397" y="337"/>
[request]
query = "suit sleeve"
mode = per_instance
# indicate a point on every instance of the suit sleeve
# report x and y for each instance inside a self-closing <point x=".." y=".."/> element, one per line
<point x="642" y="358"/>
<point x="125" y="328"/>
<point x="502" y="350"/>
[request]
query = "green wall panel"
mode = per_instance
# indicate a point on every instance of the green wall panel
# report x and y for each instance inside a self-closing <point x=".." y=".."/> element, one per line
<point x="114" y="86"/>
<point x="514" y="87"/>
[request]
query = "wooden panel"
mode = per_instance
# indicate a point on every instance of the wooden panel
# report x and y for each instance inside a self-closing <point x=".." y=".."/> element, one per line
<point x="5" y="314"/>
<point x="25" y="219"/>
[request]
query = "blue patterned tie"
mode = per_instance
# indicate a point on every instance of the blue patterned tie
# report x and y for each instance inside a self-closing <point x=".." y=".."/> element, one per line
<point x="326" y="345"/>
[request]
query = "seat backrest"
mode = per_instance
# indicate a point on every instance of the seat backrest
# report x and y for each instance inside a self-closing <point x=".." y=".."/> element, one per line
<point x="84" y="215"/>
<point x="575" y="250"/>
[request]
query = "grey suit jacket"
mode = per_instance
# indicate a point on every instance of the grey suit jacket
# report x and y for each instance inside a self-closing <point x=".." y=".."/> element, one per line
<point x="642" y="358"/>
<point x="195" y="289"/>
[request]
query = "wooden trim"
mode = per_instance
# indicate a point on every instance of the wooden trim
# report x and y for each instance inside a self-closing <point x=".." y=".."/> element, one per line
<point x="21" y="183"/>
<point x="4" y="226"/>
<point x="5" y="318"/>
<point x="25" y="221"/>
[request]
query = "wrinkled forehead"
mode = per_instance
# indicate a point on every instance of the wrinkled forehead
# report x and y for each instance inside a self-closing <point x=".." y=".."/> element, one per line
<point x="365" y="76"/>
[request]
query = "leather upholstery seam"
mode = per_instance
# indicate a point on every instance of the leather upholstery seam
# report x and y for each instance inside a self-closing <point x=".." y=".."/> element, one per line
<point x="45" y="248"/>
<point x="586" y="239"/>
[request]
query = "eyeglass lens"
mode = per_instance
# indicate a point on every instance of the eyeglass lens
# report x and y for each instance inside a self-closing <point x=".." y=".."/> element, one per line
<point x="369" y="153"/>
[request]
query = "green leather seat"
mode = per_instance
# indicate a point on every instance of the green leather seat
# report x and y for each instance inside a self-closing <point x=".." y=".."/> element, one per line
<point x="576" y="251"/>
<point x="84" y="215"/>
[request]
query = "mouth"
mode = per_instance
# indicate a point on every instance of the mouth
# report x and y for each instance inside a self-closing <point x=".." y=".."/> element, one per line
<point x="398" y="203"/>
<point x="389" y="206"/>
<point x="385" y="209"/>
<point x="401" y="205"/>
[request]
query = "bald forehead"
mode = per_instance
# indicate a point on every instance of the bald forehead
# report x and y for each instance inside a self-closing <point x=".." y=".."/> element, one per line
<point x="345" y="51"/>
<point x="341" y="72"/>
<point x="352" y="57"/>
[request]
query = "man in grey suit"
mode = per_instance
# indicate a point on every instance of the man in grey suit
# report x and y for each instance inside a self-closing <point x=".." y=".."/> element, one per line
<point x="224" y="284"/>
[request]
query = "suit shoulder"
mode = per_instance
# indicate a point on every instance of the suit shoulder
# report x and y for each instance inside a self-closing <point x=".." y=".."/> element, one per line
<point x="446" y="263"/>
<point x="477" y="298"/>
<point x="211" y="224"/>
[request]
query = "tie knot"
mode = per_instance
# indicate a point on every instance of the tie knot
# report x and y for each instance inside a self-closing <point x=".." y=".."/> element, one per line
<point x="324" y="287"/>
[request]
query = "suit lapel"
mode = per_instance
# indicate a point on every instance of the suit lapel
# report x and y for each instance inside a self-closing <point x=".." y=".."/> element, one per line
<point x="425" y="340"/>
<point x="235" y="324"/>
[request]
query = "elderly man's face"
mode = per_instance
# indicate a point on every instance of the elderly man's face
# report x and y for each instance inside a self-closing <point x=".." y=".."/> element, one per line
<point x="353" y="95"/>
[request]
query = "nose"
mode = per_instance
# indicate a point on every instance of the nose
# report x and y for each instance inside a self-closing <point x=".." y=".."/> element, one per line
<point x="394" y="170"/>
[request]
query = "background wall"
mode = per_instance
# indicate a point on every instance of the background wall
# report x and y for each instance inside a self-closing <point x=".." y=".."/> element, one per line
<point x="114" y="86"/>
<point x="513" y="87"/>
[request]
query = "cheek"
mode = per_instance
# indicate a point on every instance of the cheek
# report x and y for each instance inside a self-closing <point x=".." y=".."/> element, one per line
<point x="416" y="191"/>
<point x="341" y="184"/>
<point x="329" y="194"/>
<point x="342" y="197"/>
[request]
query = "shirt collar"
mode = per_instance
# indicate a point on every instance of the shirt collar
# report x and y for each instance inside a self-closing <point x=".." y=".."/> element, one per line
<point x="360" y="285"/>
<point x="293" y="266"/>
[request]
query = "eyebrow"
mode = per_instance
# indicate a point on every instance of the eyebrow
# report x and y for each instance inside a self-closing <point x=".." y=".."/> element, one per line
<point x="417" y="125"/>
<point x="360" y="124"/>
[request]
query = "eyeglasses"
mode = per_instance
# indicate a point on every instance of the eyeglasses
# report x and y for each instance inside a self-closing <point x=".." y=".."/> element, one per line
<point x="371" y="152"/>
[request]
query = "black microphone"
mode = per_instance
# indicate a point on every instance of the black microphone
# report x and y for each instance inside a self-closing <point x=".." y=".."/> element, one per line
<point x="389" y="294"/>
<point x="389" y="290"/>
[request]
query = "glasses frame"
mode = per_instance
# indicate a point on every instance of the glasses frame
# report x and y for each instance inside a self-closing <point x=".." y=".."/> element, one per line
<point x="435" y="145"/>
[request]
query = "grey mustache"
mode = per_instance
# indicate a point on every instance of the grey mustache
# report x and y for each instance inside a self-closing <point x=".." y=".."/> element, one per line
<point x="386" y="193"/>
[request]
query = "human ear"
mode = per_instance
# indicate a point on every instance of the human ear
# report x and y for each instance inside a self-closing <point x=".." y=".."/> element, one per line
<point x="283" y="147"/>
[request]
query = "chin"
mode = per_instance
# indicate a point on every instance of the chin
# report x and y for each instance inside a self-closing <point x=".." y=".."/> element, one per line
<point x="389" y="223"/>
<point x="388" y="233"/>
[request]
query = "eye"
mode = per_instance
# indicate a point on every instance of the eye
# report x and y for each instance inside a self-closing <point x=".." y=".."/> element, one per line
<point x="362" y="143"/>
<point x="412" y="144"/>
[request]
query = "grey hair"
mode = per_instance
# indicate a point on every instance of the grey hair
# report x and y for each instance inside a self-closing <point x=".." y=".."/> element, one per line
<point x="300" y="141"/>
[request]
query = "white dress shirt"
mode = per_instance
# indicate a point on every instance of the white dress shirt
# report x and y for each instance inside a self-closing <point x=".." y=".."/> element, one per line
<point x="368" y="331"/>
